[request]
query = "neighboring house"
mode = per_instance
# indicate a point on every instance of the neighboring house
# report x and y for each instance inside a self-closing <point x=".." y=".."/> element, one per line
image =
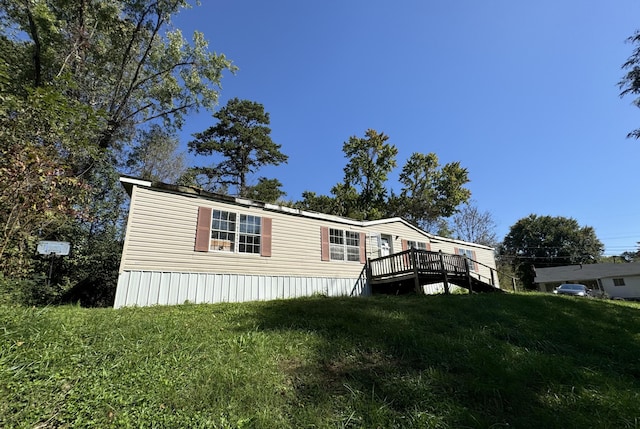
<point x="185" y="244"/>
<point x="616" y="280"/>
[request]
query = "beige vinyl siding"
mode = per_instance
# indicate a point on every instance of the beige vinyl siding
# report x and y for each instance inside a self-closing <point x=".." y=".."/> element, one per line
<point x="161" y="237"/>
<point x="161" y="232"/>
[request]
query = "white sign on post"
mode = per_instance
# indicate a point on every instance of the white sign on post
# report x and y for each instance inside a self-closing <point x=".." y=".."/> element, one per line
<point x="58" y="248"/>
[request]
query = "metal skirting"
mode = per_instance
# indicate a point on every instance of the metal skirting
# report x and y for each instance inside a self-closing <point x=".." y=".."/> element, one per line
<point x="145" y="288"/>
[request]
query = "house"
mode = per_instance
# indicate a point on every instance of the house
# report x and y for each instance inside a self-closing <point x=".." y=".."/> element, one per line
<point x="184" y="244"/>
<point x="618" y="281"/>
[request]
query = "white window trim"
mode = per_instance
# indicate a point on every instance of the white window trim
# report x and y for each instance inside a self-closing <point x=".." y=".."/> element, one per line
<point x="345" y="247"/>
<point x="469" y="254"/>
<point x="236" y="233"/>
<point x="419" y="245"/>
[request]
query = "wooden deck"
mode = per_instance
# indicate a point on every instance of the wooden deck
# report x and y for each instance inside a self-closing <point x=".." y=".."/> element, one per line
<point x="412" y="269"/>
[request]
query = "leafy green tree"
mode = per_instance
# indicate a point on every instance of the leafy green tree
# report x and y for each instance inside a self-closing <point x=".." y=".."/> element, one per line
<point x="622" y="258"/>
<point x="267" y="190"/>
<point x="546" y="241"/>
<point x="370" y="160"/>
<point x="630" y="82"/>
<point x="318" y="203"/>
<point x="78" y="79"/>
<point x="89" y="274"/>
<point x="156" y="156"/>
<point x="121" y="57"/>
<point x="430" y="192"/>
<point x="41" y="139"/>
<point x="242" y="140"/>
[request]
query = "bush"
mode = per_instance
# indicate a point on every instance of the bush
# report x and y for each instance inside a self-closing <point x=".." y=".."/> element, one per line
<point x="34" y="291"/>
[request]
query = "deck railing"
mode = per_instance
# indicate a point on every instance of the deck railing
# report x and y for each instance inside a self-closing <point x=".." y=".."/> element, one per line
<point x="418" y="264"/>
<point x="423" y="261"/>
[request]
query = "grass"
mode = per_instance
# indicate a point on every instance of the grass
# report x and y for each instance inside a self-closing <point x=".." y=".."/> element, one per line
<point x="459" y="361"/>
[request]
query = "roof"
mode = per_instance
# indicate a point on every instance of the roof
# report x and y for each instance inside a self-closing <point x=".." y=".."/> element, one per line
<point x="129" y="182"/>
<point x="586" y="272"/>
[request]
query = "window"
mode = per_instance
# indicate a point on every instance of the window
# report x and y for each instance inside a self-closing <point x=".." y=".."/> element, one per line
<point x="344" y="245"/>
<point x="416" y="245"/>
<point x="249" y="237"/>
<point x="618" y="282"/>
<point x="223" y="231"/>
<point x="470" y="255"/>
<point x="227" y="234"/>
<point x="353" y="246"/>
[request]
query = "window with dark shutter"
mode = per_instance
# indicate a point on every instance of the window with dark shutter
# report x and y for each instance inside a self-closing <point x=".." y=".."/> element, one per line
<point x="223" y="231"/>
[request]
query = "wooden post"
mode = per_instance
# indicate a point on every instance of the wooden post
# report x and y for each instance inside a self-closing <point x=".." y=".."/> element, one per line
<point x="443" y="270"/>
<point x="468" y="273"/>
<point x="416" y="273"/>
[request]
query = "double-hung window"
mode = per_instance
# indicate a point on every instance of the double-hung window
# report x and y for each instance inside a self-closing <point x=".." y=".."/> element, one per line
<point x="469" y="254"/>
<point x="223" y="231"/>
<point x="249" y="236"/>
<point x="344" y="245"/>
<point x="229" y="235"/>
<point x="416" y="245"/>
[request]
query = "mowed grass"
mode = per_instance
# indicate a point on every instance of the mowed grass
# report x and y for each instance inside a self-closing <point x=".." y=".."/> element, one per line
<point x="474" y="361"/>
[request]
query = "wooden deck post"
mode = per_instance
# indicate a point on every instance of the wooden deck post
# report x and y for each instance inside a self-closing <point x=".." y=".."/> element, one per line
<point x="468" y="273"/>
<point x="445" y="278"/>
<point x="416" y="272"/>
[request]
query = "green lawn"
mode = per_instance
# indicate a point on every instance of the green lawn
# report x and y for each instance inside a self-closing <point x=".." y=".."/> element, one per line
<point x="475" y="361"/>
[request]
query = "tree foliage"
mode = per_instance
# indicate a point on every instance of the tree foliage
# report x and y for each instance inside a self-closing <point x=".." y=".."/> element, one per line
<point x="121" y="57"/>
<point x="546" y="241"/>
<point x="319" y="203"/>
<point x="41" y="141"/>
<point x="77" y="81"/>
<point x="370" y="160"/>
<point x="630" y="82"/>
<point x="156" y="157"/>
<point x="242" y="141"/>
<point x="267" y="190"/>
<point x="430" y="192"/>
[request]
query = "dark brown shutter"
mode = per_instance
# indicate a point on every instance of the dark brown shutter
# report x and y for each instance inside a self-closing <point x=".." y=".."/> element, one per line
<point x="363" y="249"/>
<point x="428" y="246"/>
<point x="203" y="229"/>
<point x="265" y="243"/>
<point x="405" y="245"/>
<point x="324" y="243"/>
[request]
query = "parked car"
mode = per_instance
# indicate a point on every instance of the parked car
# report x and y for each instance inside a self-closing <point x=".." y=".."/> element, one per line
<point x="573" y="289"/>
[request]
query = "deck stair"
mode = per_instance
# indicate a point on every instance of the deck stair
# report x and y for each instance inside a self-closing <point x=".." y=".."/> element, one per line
<point x="414" y="268"/>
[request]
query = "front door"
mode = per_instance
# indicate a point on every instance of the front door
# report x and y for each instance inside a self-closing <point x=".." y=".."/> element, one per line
<point x="385" y="246"/>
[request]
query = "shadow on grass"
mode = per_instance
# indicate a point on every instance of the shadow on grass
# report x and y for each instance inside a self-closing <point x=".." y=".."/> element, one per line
<point x="460" y="361"/>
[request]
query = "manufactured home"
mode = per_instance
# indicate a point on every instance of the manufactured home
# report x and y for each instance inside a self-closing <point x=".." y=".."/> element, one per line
<point x="184" y="244"/>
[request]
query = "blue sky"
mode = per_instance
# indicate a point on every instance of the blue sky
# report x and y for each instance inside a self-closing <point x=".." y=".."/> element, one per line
<point x="523" y="94"/>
